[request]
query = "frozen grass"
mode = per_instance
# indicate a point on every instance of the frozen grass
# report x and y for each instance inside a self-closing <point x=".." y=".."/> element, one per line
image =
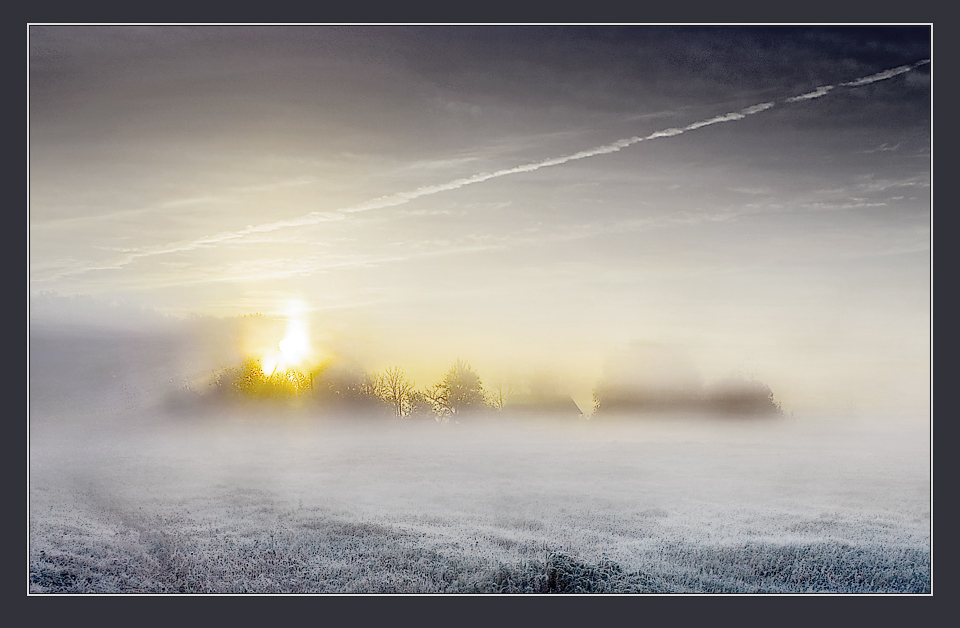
<point x="270" y="504"/>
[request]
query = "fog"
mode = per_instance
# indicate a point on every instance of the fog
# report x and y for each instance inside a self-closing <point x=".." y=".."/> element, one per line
<point x="138" y="485"/>
<point x="520" y="197"/>
<point x="419" y="309"/>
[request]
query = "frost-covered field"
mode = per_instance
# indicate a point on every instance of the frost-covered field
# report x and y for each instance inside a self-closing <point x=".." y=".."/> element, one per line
<point x="125" y="501"/>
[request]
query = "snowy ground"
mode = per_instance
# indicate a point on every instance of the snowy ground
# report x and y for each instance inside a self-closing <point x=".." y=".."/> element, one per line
<point x="136" y="499"/>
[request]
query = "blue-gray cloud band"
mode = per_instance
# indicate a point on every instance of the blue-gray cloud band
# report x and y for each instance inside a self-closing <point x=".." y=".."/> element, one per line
<point x="401" y="198"/>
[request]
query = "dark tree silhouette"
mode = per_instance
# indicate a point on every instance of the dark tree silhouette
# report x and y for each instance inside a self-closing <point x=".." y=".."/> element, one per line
<point x="731" y="397"/>
<point x="741" y="397"/>
<point x="419" y="405"/>
<point x="249" y="380"/>
<point x="459" y="392"/>
<point x="347" y="386"/>
<point x="394" y="388"/>
<point x="648" y="377"/>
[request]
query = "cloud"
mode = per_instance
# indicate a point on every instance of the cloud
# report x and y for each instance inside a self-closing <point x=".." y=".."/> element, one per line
<point x="401" y="198"/>
<point x="838" y="206"/>
<point x="817" y="93"/>
<point x="881" y="76"/>
<point x="866" y="80"/>
<point x="883" y="148"/>
<point x="871" y="184"/>
<point x="757" y="108"/>
<point x="281" y="267"/>
<point x="272" y="186"/>
<point x="187" y="202"/>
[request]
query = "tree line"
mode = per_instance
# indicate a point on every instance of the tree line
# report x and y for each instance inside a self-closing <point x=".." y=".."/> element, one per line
<point x="348" y="389"/>
<point x="735" y="396"/>
<point x="343" y="387"/>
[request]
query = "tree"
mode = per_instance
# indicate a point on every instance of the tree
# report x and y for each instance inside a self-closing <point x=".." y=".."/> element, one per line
<point x="499" y="393"/>
<point x="742" y="397"/>
<point x="460" y="391"/>
<point x="348" y="387"/>
<point x="250" y="380"/>
<point x="420" y="405"/>
<point x="395" y="389"/>
<point x="649" y="377"/>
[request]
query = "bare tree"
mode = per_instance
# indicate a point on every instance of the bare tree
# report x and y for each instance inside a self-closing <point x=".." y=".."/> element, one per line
<point x="498" y="393"/>
<point x="420" y="405"/>
<point x="437" y="395"/>
<point x="396" y="389"/>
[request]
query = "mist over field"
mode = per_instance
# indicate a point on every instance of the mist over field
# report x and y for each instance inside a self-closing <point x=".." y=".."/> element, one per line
<point x="133" y="489"/>
<point x="500" y="309"/>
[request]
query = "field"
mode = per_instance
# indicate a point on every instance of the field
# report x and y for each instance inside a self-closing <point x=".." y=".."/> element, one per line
<point x="142" y="499"/>
<point x="480" y="310"/>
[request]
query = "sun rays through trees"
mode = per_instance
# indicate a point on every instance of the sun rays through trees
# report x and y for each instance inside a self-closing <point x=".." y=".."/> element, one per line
<point x="643" y="379"/>
<point x="343" y="386"/>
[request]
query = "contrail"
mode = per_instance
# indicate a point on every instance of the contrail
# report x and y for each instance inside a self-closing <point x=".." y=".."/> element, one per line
<point x="817" y="93"/>
<point x="881" y="76"/>
<point x="401" y="198"/>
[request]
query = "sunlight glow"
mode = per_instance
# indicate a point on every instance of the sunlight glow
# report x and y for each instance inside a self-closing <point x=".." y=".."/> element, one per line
<point x="294" y="350"/>
<point x="295" y="346"/>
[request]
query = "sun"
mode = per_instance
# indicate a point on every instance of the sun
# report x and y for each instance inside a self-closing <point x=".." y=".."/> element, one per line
<point x="295" y="346"/>
<point x="293" y="351"/>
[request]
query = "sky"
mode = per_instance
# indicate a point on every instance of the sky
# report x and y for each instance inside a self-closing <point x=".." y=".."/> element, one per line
<point x="539" y="201"/>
